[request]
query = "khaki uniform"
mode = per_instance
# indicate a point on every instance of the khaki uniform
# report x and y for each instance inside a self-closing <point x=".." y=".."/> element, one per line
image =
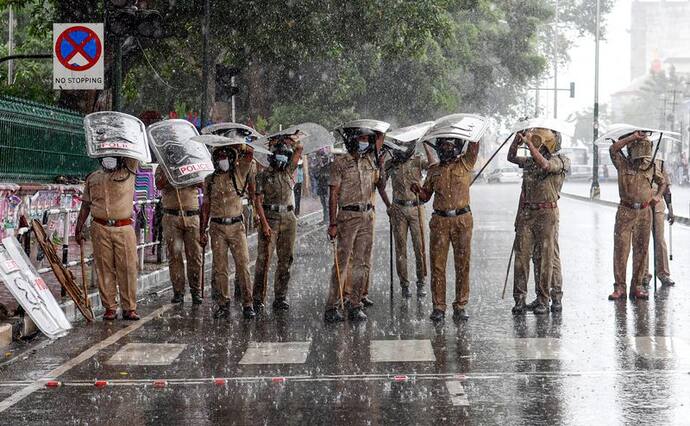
<point x="357" y="178"/>
<point x="450" y="184"/>
<point x="405" y="218"/>
<point x="181" y="235"/>
<point x="276" y="188"/>
<point x="632" y="225"/>
<point x="226" y="203"/>
<point x="536" y="230"/>
<point x="659" y="239"/>
<point x="110" y="196"/>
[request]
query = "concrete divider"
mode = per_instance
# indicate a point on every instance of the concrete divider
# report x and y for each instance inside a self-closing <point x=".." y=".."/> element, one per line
<point x="679" y="219"/>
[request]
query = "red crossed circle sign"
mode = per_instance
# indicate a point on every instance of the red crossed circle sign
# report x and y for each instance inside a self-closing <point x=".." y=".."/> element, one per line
<point x="78" y="48"/>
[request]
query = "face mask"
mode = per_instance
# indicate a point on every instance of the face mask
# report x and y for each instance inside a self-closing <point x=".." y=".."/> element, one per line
<point x="109" y="163"/>
<point x="224" y="165"/>
<point x="363" y="146"/>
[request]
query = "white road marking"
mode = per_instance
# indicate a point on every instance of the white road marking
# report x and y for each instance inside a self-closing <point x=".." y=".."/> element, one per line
<point x="147" y="354"/>
<point x="402" y="351"/>
<point x="458" y="397"/>
<point x="276" y="353"/>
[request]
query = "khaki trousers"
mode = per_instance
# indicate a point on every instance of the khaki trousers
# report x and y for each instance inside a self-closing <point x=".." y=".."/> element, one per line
<point x="230" y="238"/>
<point x="115" y="256"/>
<point x="354" y="243"/>
<point x="282" y="239"/>
<point x="661" y="259"/>
<point x="536" y="234"/>
<point x="404" y="219"/>
<point x="183" y="242"/>
<point x="632" y="228"/>
<point x="443" y="232"/>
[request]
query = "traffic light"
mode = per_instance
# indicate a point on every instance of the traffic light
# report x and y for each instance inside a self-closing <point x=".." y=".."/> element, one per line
<point x="572" y="89"/>
<point x="225" y="87"/>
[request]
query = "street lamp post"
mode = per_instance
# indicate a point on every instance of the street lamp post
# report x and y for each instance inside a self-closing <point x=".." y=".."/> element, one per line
<point x="595" y="191"/>
<point x="205" y="65"/>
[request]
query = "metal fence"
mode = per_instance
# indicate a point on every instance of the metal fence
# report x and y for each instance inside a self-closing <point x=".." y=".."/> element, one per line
<point x="39" y="142"/>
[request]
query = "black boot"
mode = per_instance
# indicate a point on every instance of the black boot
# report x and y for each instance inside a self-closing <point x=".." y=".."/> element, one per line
<point x="405" y="291"/>
<point x="421" y="292"/>
<point x="367" y="302"/>
<point x="459" y="314"/>
<point x="357" y="314"/>
<point x="540" y="309"/>
<point x="196" y="299"/>
<point x="258" y="306"/>
<point x="333" y="315"/>
<point x="520" y="308"/>
<point x="281" y="304"/>
<point x="437" y="315"/>
<point x="531" y="305"/>
<point x="556" y="305"/>
<point x="248" y="312"/>
<point x="221" y="310"/>
<point x="177" y="298"/>
<point x="238" y="290"/>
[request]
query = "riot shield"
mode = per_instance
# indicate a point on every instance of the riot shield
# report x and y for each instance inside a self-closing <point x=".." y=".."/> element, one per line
<point x="185" y="161"/>
<point x="115" y="134"/>
<point x="312" y="136"/>
<point x="469" y="127"/>
<point x="615" y="131"/>
<point x="234" y="131"/>
<point x="409" y="133"/>
<point x="542" y="123"/>
<point x="32" y="293"/>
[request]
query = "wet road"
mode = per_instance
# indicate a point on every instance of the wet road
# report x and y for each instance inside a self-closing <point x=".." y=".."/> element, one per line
<point x="598" y="362"/>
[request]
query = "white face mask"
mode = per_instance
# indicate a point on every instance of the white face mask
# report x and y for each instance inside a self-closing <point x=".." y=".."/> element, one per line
<point x="224" y="165"/>
<point x="363" y="146"/>
<point x="109" y="163"/>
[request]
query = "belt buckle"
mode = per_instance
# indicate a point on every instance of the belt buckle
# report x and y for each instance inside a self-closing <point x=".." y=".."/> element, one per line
<point x="111" y="222"/>
<point x="282" y="209"/>
<point x="452" y="213"/>
<point x="637" y="206"/>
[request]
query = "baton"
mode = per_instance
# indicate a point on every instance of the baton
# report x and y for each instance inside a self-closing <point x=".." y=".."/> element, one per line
<point x="202" y="276"/>
<point x="510" y="260"/>
<point x="654" y="245"/>
<point x="390" y="243"/>
<point x="490" y="158"/>
<point x="179" y="202"/>
<point x="337" y="273"/>
<point x="87" y="302"/>
<point x="670" y="241"/>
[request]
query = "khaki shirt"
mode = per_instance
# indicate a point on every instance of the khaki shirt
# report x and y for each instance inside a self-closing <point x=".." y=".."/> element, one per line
<point x="110" y="195"/>
<point x="450" y="182"/>
<point x="635" y="186"/>
<point x="403" y="175"/>
<point x="357" y="178"/>
<point x="276" y="187"/>
<point x="189" y="196"/>
<point x="221" y="192"/>
<point x="540" y="186"/>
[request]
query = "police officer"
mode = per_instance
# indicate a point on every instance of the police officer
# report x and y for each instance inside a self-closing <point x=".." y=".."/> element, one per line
<point x="108" y="197"/>
<point x="353" y="178"/>
<point x="181" y="233"/>
<point x="636" y="174"/>
<point x="322" y="173"/>
<point x="451" y="222"/>
<point x="275" y="206"/>
<point x="404" y="168"/>
<point x="222" y="206"/>
<point x="658" y="238"/>
<point x="536" y="225"/>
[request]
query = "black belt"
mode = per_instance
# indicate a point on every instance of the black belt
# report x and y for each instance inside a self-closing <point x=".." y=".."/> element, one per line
<point x="407" y="203"/>
<point x="635" y="206"/>
<point x="452" y="213"/>
<point x="278" y="208"/>
<point x="357" y="207"/>
<point x="181" y="212"/>
<point x="226" y="220"/>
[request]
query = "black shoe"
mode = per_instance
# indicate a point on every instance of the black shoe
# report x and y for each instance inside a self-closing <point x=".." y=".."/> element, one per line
<point x="281" y="304"/>
<point x="238" y="291"/>
<point x="540" y="309"/>
<point x="258" y="306"/>
<point x="248" y="312"/>
<point x="460" y="314"/>
<point x="177" y="298"/>
<point x="405" y="291"/>
<point x="221" y="311"/>
<point x="333" y="315"/>
<point x="437" y="315"/>
<point x="421" y="292"/>
<point x="367" y="302"/>
<point x="196" y="299"/>
<point x="556" y="306"/>
<point x="357" y="314"/>
<point x="667" y="281"/>
<point x="531" y="305"/>
<point x="520" y="308"/>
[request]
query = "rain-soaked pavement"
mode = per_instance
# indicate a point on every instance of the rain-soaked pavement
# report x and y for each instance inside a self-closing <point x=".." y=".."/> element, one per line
<point x="598" y="362"/>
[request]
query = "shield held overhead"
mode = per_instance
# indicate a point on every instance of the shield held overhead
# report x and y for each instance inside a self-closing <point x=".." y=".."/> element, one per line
<point x="185" y="161"/>
<point x="115" y="134"/>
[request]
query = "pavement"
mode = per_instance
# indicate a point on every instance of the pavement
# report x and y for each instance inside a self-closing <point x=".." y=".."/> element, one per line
<point x="598" y="362"/>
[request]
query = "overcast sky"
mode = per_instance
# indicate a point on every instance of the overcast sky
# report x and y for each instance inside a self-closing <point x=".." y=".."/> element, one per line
<point x="614" y="65"/>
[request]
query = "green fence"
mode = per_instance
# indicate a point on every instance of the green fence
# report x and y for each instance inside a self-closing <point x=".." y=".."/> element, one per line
<point x="39" y="142"/>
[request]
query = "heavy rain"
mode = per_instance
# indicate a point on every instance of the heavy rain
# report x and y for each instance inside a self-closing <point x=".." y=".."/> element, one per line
<point x="359" y="212"/>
